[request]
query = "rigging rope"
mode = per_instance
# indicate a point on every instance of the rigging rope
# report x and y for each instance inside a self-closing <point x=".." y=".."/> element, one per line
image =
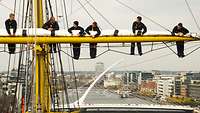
<point x="66" y="16"/>
<point x="50" y="7"/>
<point x="15" y="3"/>
<point x="170" y="48"/>
<point x="56" y="6"/>
<point x="54" y="81"/>
<point x="85" y="10"/>
<point x="8" y="70"/>
<point x="23" y="6"/>
<point x="77" y="9"/>
<point x="152" y="59"/>
<point x="18" y="74"/>
<point x="137" y="12"/>
<point x="190" y="10"/>
<point x="101" y="14"/>
<point x="26" y="15"/>
<point x="75" y="78"/>
<point x="59" y="53"/>
<point x="46" y="10"/>
<point x="48" y="79"/>
<point x="71" y="8"/>
<point x="62" y="74"/>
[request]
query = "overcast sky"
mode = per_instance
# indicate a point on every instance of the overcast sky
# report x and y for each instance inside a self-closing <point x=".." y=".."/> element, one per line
<point x="165" y="12"/>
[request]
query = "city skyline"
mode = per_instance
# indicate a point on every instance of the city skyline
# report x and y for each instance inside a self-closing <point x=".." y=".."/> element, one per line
<point x="158" y="10"/>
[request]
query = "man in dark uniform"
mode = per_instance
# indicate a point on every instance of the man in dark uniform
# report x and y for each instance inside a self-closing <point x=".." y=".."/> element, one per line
<point x="11" y="25"/>
<point x="76" y="46"/>
<point x="52" y="26"/>
<point x="139" y="29"/>
<point x="93" y="46"/>
<point x="180" y="31"/>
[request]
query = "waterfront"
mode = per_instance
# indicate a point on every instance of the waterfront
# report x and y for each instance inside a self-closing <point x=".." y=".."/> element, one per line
<point x="103" y="96"/>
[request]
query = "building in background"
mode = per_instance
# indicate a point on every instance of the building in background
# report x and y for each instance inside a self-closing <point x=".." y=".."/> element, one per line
<point x="114" y="83"/>
<point x="168" y="86"/>
<point x="194" y="91"/>
<point x="131" y="77"/>
<point x="191" y="77"/>
<point x="148" y="88"/>
<point x="144" y="76"/>
<point x="137" y="77"/>
<point x="184" y="90"/>
<point x="99" y="67"/>
<point x="190" y="85"/>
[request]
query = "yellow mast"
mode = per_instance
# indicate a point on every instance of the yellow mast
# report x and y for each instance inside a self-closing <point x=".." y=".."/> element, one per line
<point x="42" y="89"/>
<point x="87" y="39"/>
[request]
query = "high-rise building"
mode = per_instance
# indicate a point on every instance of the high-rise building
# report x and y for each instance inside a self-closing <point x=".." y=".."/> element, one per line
<point x="194" y="91"/>
<point x="137" y="77"/>
<point x="143" y="76"/>
<point x="168" y="86"/>
<point x="191" y="76"/>
<point x="184" y="90"/>
<point x="131" y="77"/>
<point x="189" y="85"/>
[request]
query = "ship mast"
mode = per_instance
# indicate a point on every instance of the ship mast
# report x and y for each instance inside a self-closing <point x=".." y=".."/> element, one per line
<point x="42" y="100"/>
<point x="42" y="89"/>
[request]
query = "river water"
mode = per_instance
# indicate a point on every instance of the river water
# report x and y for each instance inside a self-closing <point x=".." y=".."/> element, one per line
<point x="101" y="96"/>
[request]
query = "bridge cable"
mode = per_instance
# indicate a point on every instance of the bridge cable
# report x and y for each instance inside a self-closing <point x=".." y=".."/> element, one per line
<point x="191" y="12"/>
<point x="137" y="12"/>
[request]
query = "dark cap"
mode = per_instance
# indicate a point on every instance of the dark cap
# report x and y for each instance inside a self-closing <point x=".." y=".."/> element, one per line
<point x="76" y="23"/>
<point x="139" y="18"/>
<point x="11" y="14"/>
<point x="94" y="23"/>
<point x="180" y="24"/>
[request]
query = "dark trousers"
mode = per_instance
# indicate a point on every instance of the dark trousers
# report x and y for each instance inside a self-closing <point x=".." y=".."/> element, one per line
<point x="52" y="47"/>
<point x="139" y="46"/>
<point x="76" y="50"/>
<point x="93" y="50"/>
<point x="11" y="48"/>
<point x="180" y="48"/>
